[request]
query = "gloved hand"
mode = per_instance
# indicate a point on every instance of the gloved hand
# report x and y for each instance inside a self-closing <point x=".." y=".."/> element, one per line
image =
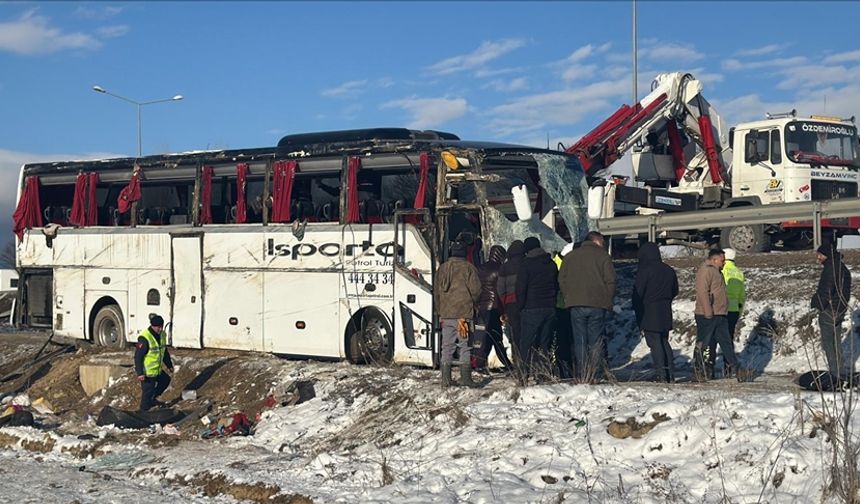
<point x="463" y="328"/>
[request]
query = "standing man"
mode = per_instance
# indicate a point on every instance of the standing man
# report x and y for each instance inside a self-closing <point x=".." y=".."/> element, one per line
<point x="587" y="280"/>
<point x="457" y="291"/>
<point x="149" y="356"/>
<point x="537" y="287"/>
<point x="489" y="310"/>
<point x="655" y="287"/>
<point x="831" y="301"/>
<point x="712" y="306"/>
<point x="737" y="294"/>
<point x="506" y="286"/>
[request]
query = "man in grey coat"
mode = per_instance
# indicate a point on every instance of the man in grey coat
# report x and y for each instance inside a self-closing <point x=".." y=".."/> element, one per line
<point x="587" y="281"/>
<point x="712" y="323"/>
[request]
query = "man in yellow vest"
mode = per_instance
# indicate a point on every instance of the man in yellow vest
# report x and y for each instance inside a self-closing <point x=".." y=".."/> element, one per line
<point x="150" y="356"/>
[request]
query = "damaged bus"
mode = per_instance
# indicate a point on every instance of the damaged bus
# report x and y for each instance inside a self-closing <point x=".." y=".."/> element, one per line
<point x="324" y="246"/>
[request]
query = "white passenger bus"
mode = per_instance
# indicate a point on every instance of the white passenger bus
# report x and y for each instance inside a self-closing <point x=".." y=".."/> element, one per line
<point x="324" y="246"/>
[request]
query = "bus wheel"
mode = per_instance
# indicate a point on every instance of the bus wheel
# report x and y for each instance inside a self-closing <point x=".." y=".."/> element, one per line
<point x="373" y="344"/>
<point x="745" y="239"/>
<point x="108" y="327"/>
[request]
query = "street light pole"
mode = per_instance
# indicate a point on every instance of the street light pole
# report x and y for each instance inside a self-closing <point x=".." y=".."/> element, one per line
<point x="99" y="89"/>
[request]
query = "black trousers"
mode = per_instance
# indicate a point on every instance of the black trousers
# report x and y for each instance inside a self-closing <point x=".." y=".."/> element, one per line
<point x="563" y="344"/>
<point x="152" y="387"/>
<point x="661" y="355"/>
<point x="713" y="329"/>
<point x="733" y="318"/>
<point x="537" y="325"/>
<point x="492" y="339"/>
<point x="514" y="328"/>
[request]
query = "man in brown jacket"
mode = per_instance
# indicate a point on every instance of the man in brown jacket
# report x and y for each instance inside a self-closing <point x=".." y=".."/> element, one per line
<point x="457" y="290"/>
<point x="712" y="308"/>
<point x="587" y="282"/>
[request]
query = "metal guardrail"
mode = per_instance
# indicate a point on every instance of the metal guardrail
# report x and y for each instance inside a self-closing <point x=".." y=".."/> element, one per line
<point x="813" y="211"/>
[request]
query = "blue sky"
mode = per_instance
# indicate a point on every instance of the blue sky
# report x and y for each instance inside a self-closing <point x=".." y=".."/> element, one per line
<point x="508" y="71"/>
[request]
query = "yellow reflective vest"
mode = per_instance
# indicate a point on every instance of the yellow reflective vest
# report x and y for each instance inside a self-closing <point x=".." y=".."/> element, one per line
<point x="153" y="359"/>
<point x="735" y="286"/>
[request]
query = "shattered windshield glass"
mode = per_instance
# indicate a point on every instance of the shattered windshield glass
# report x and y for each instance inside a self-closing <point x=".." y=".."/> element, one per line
<point x="562" y="180"/>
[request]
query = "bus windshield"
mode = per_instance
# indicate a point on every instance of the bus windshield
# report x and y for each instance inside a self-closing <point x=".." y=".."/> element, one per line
<point x="822" y="143"/>
<point x="562" y="181"/>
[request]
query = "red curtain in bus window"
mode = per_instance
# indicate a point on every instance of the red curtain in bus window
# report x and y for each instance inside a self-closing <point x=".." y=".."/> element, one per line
<point x="241" y="209"/>
<point x="92" y="201"/>
<point x="285" y="174"/>
<point x="206" y="197"/>
<point x="352" y="214"/>
<point x="423" y="181"/>
<point x="28" y="214"/>
<point x="129" y="193"/>
<point x="78" y="216"/>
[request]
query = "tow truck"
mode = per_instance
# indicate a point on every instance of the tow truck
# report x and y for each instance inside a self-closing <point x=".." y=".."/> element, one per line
<point x="685" y="159"/>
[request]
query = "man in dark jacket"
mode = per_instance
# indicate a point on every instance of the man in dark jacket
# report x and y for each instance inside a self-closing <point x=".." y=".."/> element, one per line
<point x="831" y="301"/>
<point x="537" y="288"/>
<point x="587" y="281"/>
<point x="457" y="290"/>
<point x="655" y="287"/>
<point x="150" y="355"/>
<point x="488" y="310"/>
<point x="506" y="286"/>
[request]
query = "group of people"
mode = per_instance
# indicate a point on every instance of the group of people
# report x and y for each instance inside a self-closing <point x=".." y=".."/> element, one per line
<point x="562" y="304"/>
<point x="539" y="298"/>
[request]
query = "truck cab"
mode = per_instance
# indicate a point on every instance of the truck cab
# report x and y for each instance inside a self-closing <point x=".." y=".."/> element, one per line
<point x="789" y="159"/>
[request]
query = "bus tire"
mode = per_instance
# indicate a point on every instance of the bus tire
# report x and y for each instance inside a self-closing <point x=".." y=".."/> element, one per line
<point x="109" y="328"/>
<point x="373" y="343"/>
<point x="746" y="239"/>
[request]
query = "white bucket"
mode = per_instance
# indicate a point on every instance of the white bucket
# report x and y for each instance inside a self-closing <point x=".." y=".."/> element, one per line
<point x="595" y="201"/>
<point x="522" y="203"/>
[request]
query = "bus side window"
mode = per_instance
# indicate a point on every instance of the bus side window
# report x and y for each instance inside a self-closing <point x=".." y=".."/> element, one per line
<point x="775" y="147"/>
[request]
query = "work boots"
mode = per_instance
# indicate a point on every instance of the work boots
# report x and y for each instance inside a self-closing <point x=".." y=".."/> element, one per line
<point x="446" y="375"/>
<point x="466" y="376"/>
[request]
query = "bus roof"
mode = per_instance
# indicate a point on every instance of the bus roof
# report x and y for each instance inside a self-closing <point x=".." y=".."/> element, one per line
<point x="305" y="145"/>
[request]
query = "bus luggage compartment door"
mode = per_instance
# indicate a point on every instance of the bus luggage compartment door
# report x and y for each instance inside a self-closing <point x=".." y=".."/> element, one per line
<point x="414" y="339"/>
<point x="187" y="301"/>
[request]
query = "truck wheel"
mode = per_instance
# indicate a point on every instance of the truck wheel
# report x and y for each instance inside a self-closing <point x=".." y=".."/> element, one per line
<point x="745" y="239"/>
<point x="373" y="343"/>
<point x="108" y="327"/>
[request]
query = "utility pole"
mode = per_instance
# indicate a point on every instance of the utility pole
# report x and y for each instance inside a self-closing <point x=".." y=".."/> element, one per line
<point x="635" y="60"/>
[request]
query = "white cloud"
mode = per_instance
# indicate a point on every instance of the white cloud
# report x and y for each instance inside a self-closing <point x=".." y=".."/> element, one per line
<point x="735" y="64"/>
<point x="579" y="72"/>
<point x="761" y="51"/>
<point x="99" y="14"/>
<point x="488" y="51"/>
<point x="841" y="101"/>
<point x="349" y="88"/>
<point x="112" y="31"/>
<point x="581" y="53"/>
<point x="843" y="57"/>
<point x="809" y="76"/>
<point x="563" y="107"/>
<point x="429" y="112"/>
<point x="32" y="34"/>
<point x="507" y="85"/>
<point x="495" y="72"/>
<point x="670" y="51"/>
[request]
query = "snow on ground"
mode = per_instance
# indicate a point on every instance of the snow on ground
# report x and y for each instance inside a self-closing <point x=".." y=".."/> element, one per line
<point x="392" y="435"/>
